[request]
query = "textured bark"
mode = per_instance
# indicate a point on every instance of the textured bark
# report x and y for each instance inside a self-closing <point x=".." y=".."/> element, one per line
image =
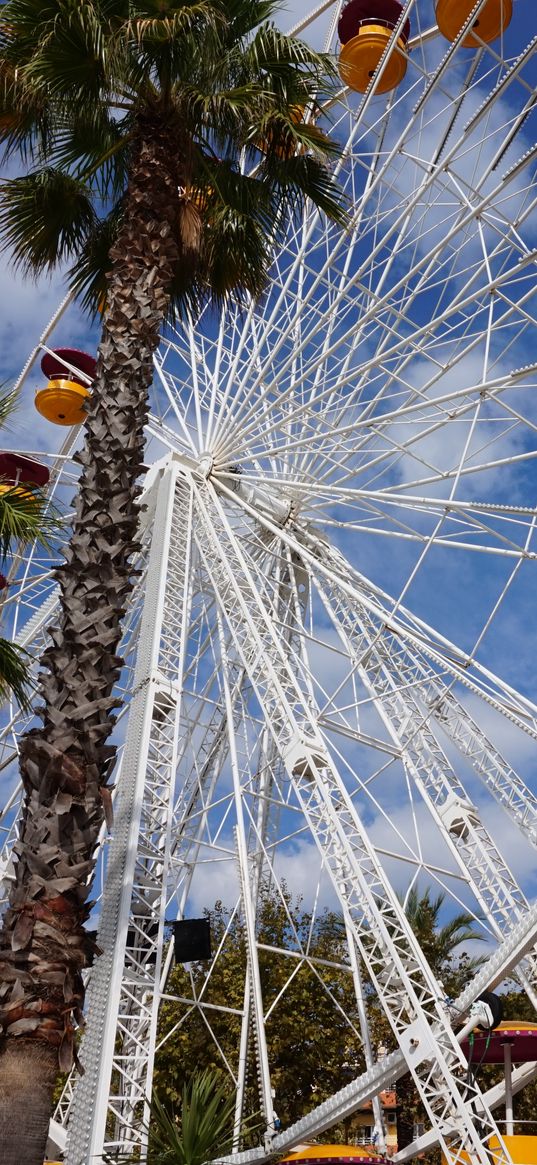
<point x="66" y="764"/>
<point x="30" y="1071"/>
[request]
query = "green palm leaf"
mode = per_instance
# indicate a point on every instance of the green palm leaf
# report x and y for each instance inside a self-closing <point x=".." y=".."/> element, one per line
<point x="14" y="674"/>
<point x="44" y="218"/>
<point x="8" y="404"/>
<point x="204" y="1128"/>
<point x="439" y="941"/>
<point x="25" y="516"/>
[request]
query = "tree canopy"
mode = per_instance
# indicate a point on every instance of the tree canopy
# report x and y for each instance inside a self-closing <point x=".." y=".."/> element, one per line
<point x="232" y="99"/>
<point x="313" y="1030"/>
<point x="312" y="1021"/>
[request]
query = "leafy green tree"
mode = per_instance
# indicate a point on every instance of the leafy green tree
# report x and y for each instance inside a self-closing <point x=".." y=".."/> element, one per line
<point x="441" y="943"/>
<point x="313" y="1047"/>
<point x="131" y="117"/>
<point x="314" y="1050"/>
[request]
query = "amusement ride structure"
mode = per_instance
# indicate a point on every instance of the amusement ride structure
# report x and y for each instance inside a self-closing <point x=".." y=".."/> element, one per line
<point x="329" y="651"/>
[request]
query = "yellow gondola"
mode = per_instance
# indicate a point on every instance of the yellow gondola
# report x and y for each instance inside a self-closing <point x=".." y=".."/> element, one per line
<point x="365" y="28"/>
<point x="489" y="25"/>
<point x="64" y="399"/>
<point x="62" y="402"/>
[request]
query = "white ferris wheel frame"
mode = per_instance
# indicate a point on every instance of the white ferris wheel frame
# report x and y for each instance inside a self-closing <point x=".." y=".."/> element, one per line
<point x="256" y="456"/>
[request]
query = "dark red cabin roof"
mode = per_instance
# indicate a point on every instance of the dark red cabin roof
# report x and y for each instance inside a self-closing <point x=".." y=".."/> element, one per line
<point x="521" y="1035"/>
<point x="53" y="366"/>
<point x="15" y="467"/>
<point x="381" y="11"/>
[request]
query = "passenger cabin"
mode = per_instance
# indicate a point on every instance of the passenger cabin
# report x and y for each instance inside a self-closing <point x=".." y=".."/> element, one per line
<point x="451" y="16"/>
<point x="69" y="373"/>
<point x="365" y="29"/>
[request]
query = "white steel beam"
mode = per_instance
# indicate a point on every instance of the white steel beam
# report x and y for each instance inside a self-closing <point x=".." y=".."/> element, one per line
<point x="109" y="1107"/>
<point x="393" y="675"/>
<point x="523" y="1075"/>
<point x="342" y="1104"/>
<point x="405" y="985"/>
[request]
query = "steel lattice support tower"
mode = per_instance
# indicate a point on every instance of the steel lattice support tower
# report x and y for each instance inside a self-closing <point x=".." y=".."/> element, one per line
<point x="154" y="844"/>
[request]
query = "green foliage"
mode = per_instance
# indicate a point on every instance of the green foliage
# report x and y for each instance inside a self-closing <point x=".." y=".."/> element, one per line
<point x="311" y="1015"/>
<point x="82" y="85"/>
<point x="312" y="1046"/>
<point x="44" y="217"/>
<point x="312" y="1023"/>
<point x="440" y="943"/>
<point x="201" y="1131"/>
<point x="24" y="517"/>
<point x="14" y="677"/>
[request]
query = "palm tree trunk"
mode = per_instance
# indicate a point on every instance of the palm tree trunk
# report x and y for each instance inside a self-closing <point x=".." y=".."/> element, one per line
<point x="30" y="1072"/>
<point x="66" y="763"/>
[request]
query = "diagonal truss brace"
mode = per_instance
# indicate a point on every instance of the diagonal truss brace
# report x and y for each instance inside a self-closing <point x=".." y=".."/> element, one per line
<point x="392" y="675"/>
<point x="406" y="987"/>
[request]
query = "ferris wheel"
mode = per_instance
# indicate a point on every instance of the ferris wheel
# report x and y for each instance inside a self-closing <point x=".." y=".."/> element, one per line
<point x="329" y="651"/>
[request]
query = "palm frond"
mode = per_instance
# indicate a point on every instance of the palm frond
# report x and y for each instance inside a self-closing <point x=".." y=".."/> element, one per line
<point x="423" y="912"/>
<point x="272" y="52"/>
<point x="204" y="1129"/>
<point x="286" y="133"/>
<point x="15" y="675"/>
<point x="304" y="176"/>
<point x="236" y="255"/>
<point x="45" y="217"/>
<point x="221" y="113"/>
<point x="8" y="403"/>
<point x="21" y="18"/>
<point x="461" y="929"/>
<point x="24" y="115"/>
<point x="168" y="42"/>
<point x="244" y="16"/>
<point x="88" y="275"/>
<point x="68" y="58"/>
<point x="235" y="213"/>
<point x="25" y="516"/>
<point x="94" y="148"/>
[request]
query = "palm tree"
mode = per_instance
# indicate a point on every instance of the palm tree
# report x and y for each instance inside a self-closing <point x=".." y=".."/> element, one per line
<point x="204" y="1129"/>
<point x="132" y="117"/>
<point x="439" y="942"/>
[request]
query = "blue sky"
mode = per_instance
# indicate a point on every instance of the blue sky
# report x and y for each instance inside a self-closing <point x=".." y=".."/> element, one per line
<point x="391" y="289"/>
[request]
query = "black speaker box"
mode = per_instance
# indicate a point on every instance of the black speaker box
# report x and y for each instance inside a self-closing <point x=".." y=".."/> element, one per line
<point x="191" y="940"/>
